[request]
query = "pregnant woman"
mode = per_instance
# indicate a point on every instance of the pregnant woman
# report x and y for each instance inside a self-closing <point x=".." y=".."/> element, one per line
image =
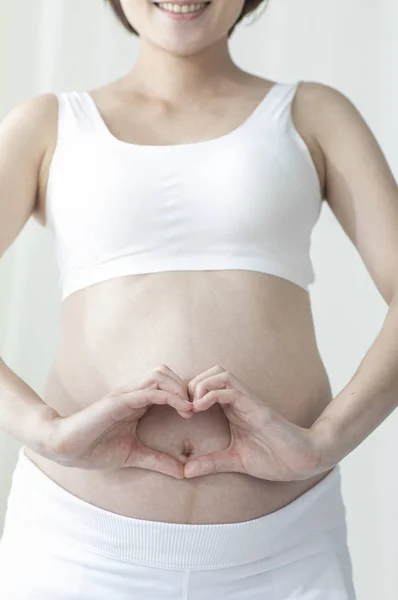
<point x="187" y="445"/>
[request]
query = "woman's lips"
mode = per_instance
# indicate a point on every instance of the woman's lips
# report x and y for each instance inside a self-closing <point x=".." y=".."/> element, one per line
<point x="183" y="16"/>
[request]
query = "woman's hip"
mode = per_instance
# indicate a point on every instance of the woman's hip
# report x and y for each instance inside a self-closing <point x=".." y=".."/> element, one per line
<point x="58" y="546"/>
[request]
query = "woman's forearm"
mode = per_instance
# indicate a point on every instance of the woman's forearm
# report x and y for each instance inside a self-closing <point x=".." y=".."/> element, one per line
<point x="367" y="400"/>
<point x="23" y="414"/>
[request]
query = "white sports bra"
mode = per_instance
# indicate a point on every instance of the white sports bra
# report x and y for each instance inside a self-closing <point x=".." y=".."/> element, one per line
<point x="245" y="200"/>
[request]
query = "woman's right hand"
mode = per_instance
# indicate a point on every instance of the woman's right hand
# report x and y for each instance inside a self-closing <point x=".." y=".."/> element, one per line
<point x="103" y="434"/>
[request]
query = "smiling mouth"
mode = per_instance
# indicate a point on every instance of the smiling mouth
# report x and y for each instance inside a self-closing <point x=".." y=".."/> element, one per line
<point x="185" y="3"/>
<point x="182" y="16"/>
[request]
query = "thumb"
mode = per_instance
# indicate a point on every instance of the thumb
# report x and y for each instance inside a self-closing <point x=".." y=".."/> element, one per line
<point x="146" y="458"/>
<point x="216" y="462"/>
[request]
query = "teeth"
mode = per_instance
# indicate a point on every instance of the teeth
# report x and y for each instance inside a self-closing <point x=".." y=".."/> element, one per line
<point x="181" y="8"/>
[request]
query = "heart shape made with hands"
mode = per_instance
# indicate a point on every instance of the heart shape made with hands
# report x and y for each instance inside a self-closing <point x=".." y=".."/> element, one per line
<point x="263" y="443"/>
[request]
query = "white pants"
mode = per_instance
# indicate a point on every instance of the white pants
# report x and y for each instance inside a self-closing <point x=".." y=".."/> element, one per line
<point x="56" y="546"/>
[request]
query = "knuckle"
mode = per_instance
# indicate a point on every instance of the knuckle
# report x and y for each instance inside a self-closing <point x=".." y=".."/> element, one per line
<point x="114" y="408"/>
<point x="199" y="390"/>
<point x="150" y="381"/>
<point x="192" y="387"/>
<point x="145" y="396"/>
<point x="112" y="400"/>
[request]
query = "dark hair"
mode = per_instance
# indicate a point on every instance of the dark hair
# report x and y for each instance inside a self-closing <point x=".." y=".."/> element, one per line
<point x="249" y="7"/>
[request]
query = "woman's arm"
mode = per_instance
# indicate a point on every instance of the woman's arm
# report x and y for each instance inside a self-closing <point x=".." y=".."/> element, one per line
<point x="23" y="136"/>
<point x="363" y="195"/>
<point x="367" y="400"/>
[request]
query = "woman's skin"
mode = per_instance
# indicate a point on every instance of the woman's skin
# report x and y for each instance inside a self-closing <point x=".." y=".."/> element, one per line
<point x="112" y="334"/>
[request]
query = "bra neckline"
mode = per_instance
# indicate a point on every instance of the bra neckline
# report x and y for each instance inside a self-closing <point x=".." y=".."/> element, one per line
<point x="203" y="143"/>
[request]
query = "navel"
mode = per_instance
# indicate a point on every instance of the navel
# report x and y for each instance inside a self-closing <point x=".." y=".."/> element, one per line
<point x="187" y="449"/>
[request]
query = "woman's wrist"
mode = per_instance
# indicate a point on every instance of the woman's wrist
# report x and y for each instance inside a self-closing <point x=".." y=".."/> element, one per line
<point x="327" y="444"/>
<point x="41" y="427"/>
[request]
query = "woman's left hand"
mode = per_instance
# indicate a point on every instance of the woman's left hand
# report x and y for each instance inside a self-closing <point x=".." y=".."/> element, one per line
<point x="263" y="443"/>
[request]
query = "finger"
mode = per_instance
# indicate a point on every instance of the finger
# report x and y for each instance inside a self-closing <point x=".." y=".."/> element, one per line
<point x="238" y="407"/>
<point x="218" y="381"/>
<point x="217" y="462"/>
<point x="141" y="398"/>
<point x="119" y="406"/>
<point x="167" y="371"/>
<point x="208" y="373"/>
<point x="181" y="386"/>
<point x="160" y="378"/>
<point x="146" y="458"/>
<point x="213" y="397"/>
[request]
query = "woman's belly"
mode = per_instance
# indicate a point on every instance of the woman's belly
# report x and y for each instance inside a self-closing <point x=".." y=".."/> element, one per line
<point x="258" y="327"/>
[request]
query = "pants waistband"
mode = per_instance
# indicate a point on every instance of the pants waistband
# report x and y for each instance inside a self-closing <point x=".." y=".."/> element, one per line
<point x="36" y="502"/>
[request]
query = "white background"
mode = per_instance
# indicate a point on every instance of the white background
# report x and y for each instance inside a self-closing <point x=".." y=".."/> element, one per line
<point x="60" y="45"/>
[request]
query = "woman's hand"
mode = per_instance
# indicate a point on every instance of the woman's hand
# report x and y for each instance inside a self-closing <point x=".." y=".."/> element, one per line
<point x="103" y="435"/>
<point x="263" y="443"/>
